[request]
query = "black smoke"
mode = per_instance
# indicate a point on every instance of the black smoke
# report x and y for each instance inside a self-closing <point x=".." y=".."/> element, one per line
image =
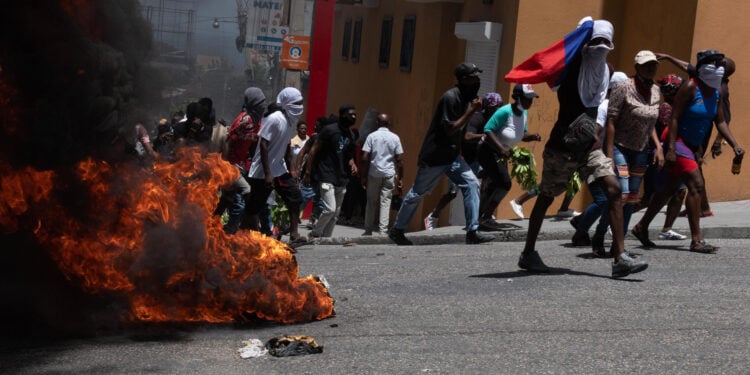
<point x="78" y="69"/>
<point x="73" y="80"/>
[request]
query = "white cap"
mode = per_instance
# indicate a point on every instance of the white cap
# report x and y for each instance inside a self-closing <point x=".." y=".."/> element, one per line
<point x="645" y="56"/>
<point x="526" y="90"/>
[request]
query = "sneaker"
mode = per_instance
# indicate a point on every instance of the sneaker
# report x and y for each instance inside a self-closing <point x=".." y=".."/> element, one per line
<point x="627" y="265"/>
<point x="473" y="238"/>
<point x="397" y="236"/>
<point x="671" y="235"/>
<point x="532" y="262"/>
<point x="367" y="233"/>
<point x="430" y="222"/>
<point x="517" y="208"/>
<point x="567" y="213"/>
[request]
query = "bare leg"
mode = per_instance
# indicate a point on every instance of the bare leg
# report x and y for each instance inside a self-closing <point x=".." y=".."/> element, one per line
<point x="535" y="221"/>
<point x="673" y="209"/>
<point x="612" y="188"/>
<point x="705" y="207"/>
<point x="444" y="200"/>
<point x="694" y="182"/>
<point x="525" y="196"/>
<point x="566" y="202"/>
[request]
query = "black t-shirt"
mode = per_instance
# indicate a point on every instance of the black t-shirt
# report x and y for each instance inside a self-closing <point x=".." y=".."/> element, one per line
<point x="439" y="147"/>
<point x="475" y="126"/>
<point x="571" y="105"/>
<point x="335" y="149"/>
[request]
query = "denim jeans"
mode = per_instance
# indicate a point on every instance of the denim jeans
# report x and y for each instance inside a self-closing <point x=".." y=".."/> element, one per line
<point x="594" y="210"/>
<point x="630" y="165"/>
<point x="427" y="177"/>
<point x="308" y="193"/>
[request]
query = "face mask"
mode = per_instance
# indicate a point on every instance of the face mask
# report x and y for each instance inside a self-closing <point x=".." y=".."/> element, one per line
<point x="347" y="120"/>
<point x="469" y="91"/>
<point x="711" y="75"/>
<point x="598" y="51"/>
<point x="295" y="109"/>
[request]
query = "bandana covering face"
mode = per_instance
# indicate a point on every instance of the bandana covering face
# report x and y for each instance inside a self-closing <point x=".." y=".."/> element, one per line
<point x="255" y="103"/>
<point x="593" y="78"/>
<point x="711" y="75"/>
<point x="286" y="99"/>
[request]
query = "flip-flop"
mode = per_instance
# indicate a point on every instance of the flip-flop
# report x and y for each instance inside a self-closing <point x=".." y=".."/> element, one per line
<point x="703" y="248"/>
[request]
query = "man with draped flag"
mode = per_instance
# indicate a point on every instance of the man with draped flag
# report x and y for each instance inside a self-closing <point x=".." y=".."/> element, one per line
<point x="576" y="68"/>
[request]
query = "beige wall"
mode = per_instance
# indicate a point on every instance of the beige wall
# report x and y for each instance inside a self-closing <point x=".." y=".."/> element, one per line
<point x="677" y="27"/>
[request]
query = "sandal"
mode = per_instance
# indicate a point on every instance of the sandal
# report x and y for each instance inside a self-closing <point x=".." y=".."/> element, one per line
<point x="643" y="237"/>
<point x="702" y="247"/>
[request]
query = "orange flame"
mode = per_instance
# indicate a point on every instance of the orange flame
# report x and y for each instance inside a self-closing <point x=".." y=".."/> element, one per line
<point x="150" y="236"/>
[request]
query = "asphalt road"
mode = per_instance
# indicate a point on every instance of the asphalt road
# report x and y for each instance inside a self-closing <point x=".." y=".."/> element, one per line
<point x="463" y="309"/>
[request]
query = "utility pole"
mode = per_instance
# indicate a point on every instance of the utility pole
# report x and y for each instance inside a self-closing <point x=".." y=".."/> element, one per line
<point x="296" y="18"/>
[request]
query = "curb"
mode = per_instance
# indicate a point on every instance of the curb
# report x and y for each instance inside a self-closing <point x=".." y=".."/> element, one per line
<point x="518" y="235"/>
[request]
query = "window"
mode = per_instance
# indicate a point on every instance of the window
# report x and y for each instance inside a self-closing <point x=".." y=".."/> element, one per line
<point x="347" y="39"/>
<point x="386" y="31"/>
<point x="357" y="42"/>
<point x="407" y="43"/>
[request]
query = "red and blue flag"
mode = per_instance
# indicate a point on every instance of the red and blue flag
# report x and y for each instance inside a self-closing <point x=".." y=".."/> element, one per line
<point x="549" y="65"/>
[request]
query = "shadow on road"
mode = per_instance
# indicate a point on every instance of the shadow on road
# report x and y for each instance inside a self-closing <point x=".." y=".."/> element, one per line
<point x="553" y="272"/>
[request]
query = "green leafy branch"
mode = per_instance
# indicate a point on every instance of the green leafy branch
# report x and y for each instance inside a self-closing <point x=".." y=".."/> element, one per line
<point x="523" y="167"/>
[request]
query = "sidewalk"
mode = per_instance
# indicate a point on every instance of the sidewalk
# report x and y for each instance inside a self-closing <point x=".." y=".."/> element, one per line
<point x="730" y="220"/>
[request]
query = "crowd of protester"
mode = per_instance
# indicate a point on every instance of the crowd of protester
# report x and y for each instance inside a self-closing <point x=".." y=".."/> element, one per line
<point x="622" y="134"/>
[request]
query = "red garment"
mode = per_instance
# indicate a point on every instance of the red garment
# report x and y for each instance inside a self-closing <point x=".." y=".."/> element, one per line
<point x="243" y="135"/>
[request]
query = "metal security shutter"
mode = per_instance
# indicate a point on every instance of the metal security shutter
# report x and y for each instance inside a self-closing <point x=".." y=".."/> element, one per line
<point x="485" y="56"/>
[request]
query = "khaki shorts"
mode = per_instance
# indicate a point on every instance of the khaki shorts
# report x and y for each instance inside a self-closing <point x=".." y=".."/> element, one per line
<point x="559" y="167"/>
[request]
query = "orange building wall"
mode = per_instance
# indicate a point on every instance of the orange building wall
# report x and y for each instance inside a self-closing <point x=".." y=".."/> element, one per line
<point x="723" y="25"/>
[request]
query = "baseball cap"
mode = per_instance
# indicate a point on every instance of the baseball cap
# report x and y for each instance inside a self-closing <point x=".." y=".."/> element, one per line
<point x="524" y="89"/>
<point x="466" y="69"/>
<point x="644" y="57"/>
<point x="708" y="55"/>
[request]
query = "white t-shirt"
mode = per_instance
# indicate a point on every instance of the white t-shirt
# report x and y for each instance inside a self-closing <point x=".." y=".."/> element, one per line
<point x="383" y="145"/>
<point x="507" y="126"/>
<point x="278" y="133"/>
<point x="601" y="113"/>
<point x="297" y="147"/>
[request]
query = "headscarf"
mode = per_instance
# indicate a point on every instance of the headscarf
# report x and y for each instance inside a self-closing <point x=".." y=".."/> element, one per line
<point x="669" y="84"/>
<point x="255" y="103"/>
<point x="593" y="77"/>
<point x="286" y="99"/>
<point x="491" y="99"/>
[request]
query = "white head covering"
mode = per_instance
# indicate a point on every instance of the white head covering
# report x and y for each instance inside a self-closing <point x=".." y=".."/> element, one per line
<point x="286" y="99"/>
<point x="603" y="29"/>
<point x="593" y="77"/>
